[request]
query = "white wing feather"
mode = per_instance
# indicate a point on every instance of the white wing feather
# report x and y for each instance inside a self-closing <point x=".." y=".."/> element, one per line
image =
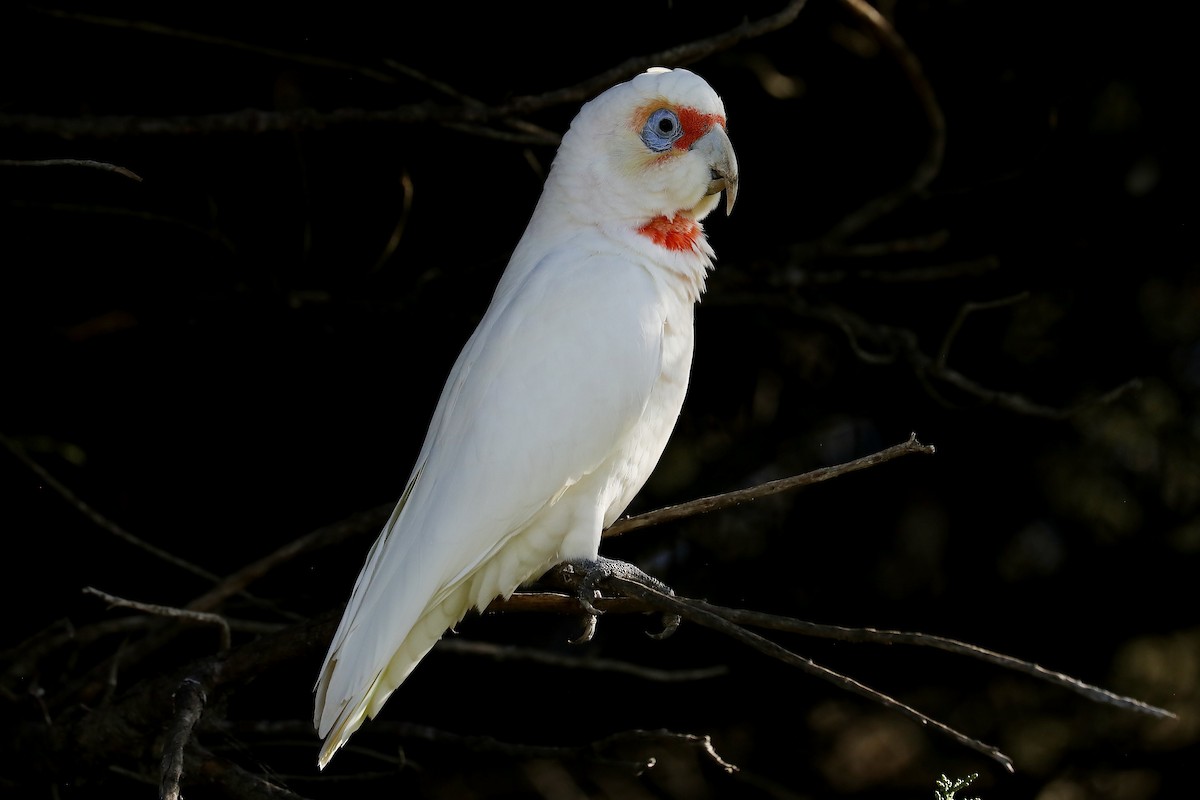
<point x="563" y="399"/>
<point x="536" y="403"/>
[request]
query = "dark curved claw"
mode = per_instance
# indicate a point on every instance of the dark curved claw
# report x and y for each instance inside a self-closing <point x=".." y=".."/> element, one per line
<point x="594" y="572"/>
<point x="670" y="625"/>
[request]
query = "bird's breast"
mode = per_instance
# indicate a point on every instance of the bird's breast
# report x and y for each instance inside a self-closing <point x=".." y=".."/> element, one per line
<point x="636" y="458"/>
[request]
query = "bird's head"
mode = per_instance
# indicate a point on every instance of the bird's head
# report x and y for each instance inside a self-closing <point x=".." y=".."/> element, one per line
<point x="653" y="147"/>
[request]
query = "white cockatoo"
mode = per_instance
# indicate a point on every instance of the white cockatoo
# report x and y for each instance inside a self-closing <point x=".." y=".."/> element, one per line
<point x="562" y="400"/>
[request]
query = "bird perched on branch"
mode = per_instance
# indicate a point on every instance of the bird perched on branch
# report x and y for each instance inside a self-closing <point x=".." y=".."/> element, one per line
<point x="562" y="400"/>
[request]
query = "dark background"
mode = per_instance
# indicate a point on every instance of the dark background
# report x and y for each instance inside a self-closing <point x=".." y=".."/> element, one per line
<point x="229" y="354"/>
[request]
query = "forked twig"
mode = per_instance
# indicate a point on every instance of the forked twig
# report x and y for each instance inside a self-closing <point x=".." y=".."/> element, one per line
<point x="733" y="622"/>
<point x="875" y="636"/>
<point x="695" y="613"/>
<point x="966" y="310"/>
<point x="204" y="618"/>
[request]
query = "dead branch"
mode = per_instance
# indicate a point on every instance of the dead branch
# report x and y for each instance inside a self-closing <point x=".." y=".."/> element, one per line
<point x="966" y="310"/>
<point x="234" y="780"/>
<point x="897" y="343"/>
<point x="241" y="665"/>
<point x="681" y="55"/>
<point x="99" y="519"/>
<point x="155" y="29"/>
<point x="166" y="611"/>
<point x="560" y="603"/>
<point x="732" y="622"/>
<point x="799" y="278"/>
<point x="719" y="502"/>
<point x="236" y="583"/>
<point x="496" y="652"/>
<point x="256" y="121"/>
<point x="393" y="242"/>
<point x="190" y="699"/>
<point x="931" y="162"/>
<point x="595" y="752"/>
<point x="694" y="613"/>
<point x="72" y="162"/>
<point x="842" y="634"/>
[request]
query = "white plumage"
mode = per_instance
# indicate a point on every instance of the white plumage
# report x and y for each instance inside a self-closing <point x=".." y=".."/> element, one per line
<point x="563" y="399"/>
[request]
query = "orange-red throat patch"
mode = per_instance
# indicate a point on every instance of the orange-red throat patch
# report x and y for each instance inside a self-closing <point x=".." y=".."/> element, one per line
<point x="679" y="233"/>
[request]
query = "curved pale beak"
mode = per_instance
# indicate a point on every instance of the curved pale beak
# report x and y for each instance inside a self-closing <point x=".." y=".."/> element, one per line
<point x="718" y="150"/>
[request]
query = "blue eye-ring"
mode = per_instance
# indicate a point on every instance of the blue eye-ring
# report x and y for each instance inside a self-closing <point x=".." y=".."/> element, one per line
<point x="662" y="129"/>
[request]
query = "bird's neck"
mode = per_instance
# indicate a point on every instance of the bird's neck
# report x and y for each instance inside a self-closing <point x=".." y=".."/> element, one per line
<point x="679" y="251"/>
<point x="675" y="246"/>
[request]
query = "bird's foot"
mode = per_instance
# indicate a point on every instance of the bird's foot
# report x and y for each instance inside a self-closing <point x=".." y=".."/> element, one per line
<point x="592" y="572"/>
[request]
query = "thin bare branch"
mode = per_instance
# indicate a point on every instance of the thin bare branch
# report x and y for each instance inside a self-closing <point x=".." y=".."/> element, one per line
<point x="212" y="234"/>
<point x="531" y="655"/>
<point x="719" y="502"/>
<point x="875" y="636"/>
<point x="592" y="752"/>
<point x="925" y="243"/>
<point x="801" y="277"/>
<point x="72" y="162"/>
<point x="680" y="55"/>
<point x="694" y="613"/>
<point x="1020" y="404"/>
<point x="966" y="310"/>
<point x="167" y="611"/>
<point x="156" y="29"/>
<point x="99" y="519"/>
<point x="732" y="622"/>
<point x="372" y="519"/>
<point x="361" y="522"/>
<point x="232" y="780"/>
<point x="931" y="163"/>
<point x="21" y="660"/>
<point x="255" y="121"/>
<point x="397" y="232"/>
<point x="898" y="342"/>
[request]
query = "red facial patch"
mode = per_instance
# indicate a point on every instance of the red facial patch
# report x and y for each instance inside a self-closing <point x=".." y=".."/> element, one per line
<point x="678" y="233"/>
<point x="695" y="124"/>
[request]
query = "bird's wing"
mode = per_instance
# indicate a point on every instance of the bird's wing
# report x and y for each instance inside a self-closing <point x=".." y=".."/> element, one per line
<point x="557" y="373"/>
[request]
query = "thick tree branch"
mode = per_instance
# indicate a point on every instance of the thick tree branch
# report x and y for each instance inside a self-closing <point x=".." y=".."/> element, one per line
<point x="190" y="699"/>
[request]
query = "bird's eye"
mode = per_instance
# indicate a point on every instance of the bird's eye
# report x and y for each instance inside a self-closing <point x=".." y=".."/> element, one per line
<point x="662" y="130"/>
